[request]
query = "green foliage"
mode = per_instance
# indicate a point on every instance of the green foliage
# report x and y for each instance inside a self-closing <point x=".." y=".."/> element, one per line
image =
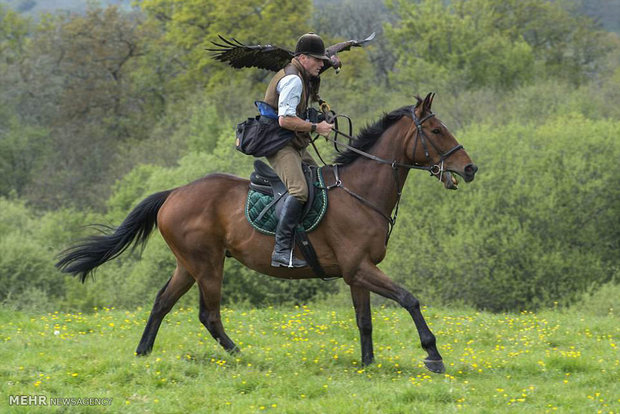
<point x="356" y="19"/>
<point x="601" y="300"/>
<point x="13" y="34"/>
<point x="22" y="149"/>
<point x="342" y="90"/>
<point x="29" y="244"/>
<point x="102" y="108"/>
<point x="74" y="80"/>
<point x="242" y="285"/>
<point x="27" y="273"/>
<point x="188" y="27"/>
<point x="23" y="265"/>
<point x="509" y="240"/>
<point x="470" y="44"/>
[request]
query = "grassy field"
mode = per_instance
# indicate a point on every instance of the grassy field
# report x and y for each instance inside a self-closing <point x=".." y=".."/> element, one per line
<point x="306" y="360"/>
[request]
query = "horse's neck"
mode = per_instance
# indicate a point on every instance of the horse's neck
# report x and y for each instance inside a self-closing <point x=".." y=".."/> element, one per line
<point x="375" y="181"/>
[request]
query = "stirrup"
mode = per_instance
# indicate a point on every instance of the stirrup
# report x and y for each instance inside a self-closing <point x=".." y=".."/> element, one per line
<point x="292" y="262"/>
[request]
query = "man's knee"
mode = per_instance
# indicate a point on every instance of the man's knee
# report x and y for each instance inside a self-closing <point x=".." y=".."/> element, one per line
<point x="300" y="192"/>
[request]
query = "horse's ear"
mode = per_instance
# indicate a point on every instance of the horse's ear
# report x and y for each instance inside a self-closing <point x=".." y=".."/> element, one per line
<point x="428" y="102"/>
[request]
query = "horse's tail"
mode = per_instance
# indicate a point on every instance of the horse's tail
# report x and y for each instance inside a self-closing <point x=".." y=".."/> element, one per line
<point x="94" y="251"/>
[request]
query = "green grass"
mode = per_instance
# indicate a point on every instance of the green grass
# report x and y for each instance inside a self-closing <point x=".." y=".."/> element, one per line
<point x="306" y="360"/>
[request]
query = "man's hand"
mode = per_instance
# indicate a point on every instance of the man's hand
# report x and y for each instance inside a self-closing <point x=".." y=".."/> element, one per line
<point x="324" y="128"/>
<point x="297" y="124"/>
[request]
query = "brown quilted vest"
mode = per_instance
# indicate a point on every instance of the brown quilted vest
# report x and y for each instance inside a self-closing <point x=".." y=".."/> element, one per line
<point x="302" y="139"/>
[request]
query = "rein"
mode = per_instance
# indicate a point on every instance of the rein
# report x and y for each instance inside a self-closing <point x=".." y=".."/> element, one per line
<point x="436" y="169"/>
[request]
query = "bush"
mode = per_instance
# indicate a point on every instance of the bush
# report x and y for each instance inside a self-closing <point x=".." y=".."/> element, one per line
<point x="27" y="272"/>
<point x="539" y="224"/>
<point x="603" y="300"/>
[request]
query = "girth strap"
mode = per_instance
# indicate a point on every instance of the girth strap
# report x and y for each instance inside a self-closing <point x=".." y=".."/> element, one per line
<point x="391" y="220"/>
<point x="303" y="242"/>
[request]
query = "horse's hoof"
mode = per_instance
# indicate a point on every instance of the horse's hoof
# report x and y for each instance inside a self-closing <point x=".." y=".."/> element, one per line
<point x="234" y="350"/>
<point x="143" y="351"/>
<point x="435" y="366"/>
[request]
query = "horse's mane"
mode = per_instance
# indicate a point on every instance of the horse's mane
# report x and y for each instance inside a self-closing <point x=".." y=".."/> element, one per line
<point x="369" y="135"/>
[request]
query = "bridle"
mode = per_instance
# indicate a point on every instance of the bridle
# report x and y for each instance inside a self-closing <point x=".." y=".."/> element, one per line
<point x="436" y="169"/>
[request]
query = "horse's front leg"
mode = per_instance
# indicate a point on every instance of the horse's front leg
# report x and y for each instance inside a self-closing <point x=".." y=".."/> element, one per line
<point x="361" y="303"/>
<point x="371" y="278"/>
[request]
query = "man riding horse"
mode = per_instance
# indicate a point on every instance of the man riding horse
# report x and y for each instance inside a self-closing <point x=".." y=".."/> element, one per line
<point x="295" y="84"/>
<point x="206" y="220"/>
<point x="289" y="91"/>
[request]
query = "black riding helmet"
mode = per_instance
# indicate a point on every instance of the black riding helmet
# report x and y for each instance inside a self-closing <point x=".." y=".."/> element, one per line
<point x="311" y="44"/>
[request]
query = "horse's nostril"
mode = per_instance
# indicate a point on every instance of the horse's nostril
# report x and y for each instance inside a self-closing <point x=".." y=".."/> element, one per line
<point x="471" y="169"/>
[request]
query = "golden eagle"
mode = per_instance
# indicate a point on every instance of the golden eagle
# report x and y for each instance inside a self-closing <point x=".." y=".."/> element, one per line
<point x="274" y="58"/>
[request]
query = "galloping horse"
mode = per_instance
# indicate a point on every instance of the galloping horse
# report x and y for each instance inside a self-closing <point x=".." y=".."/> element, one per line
<point x="204" y="221"/>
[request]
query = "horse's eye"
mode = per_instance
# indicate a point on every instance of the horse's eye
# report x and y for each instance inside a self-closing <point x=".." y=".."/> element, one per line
<point x="436" y="131"/>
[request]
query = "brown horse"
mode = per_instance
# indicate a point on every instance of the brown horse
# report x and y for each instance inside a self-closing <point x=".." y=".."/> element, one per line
<point x="204" y="221"/>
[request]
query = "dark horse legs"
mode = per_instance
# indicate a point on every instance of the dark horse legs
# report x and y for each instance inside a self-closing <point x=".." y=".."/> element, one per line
<point x="177" y="286"/>
<point x="210" y="297"/>
<point x="361" y="303"/>
<point x="368" y="278"/>
<point x="373" y="279"/>
<point x="210" y="294"/>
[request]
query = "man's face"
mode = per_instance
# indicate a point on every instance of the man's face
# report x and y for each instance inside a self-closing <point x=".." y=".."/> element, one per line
<point x="311" y="64"/>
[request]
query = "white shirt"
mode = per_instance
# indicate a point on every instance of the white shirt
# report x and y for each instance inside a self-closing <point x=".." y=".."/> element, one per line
<point x="290" y="89"/>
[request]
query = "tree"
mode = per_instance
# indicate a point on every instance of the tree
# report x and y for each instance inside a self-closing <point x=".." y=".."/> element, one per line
<point x="187" y="29"/>
<point x="78" y="77"/>
<point x="14" y="40"/>
<point x="22" y="151"/>
<point x="91" y="57"/>
<point x="476" y="43"/>
<point x="22" y="147"/>
<point x="352" y="19"/>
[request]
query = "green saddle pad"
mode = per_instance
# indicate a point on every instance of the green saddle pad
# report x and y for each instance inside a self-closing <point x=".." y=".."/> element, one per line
<point x="257" y="202"/>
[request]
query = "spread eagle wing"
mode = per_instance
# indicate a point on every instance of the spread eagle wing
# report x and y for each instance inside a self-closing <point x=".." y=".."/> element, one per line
<point x="274" y="58"/>
<point x="239" y="55"/>
<point x="332" y="51"/>
<point x="339" y="47"/>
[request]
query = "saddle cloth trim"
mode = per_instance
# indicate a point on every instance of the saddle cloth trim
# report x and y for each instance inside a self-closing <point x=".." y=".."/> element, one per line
<point x="321" y="193"/>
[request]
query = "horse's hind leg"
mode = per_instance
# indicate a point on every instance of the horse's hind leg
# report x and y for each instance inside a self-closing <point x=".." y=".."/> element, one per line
<point x="373" y="279"/>
<point x="361" y="303"/>
<point x="177" y="286"/>
<point x="210" y="285"/>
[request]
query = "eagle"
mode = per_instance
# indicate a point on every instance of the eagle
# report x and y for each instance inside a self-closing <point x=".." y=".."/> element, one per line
<point x="273" y="58"/>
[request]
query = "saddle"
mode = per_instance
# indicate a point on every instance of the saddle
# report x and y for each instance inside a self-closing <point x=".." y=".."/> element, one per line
<point x="265" y="181"/>
<point x="264" y="205"/>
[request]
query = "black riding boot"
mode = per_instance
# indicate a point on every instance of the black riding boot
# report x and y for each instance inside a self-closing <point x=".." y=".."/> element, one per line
<point x="283" y="250"/>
